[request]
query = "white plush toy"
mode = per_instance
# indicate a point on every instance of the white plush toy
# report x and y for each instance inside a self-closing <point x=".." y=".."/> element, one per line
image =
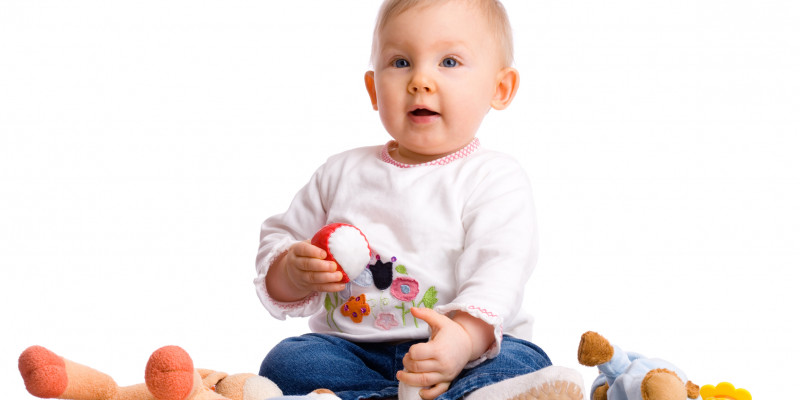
<point x="345" y="245"/>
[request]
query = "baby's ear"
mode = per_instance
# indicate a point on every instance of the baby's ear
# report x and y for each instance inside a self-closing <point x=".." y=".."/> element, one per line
<point x="506" y="88"/>
<point x="369" y="80"/>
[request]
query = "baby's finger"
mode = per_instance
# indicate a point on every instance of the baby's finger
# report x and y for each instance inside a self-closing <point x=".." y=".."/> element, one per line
<point x="315" y="265"/>
<point x="321" y="277"/>
<point x="420" y="366"/>
<point x="329" y="287"/>
<point x="421" y="351"/>
<point x="425" y="379"/>
<point x="435" y="391"/>
<point x="306" y="249"/>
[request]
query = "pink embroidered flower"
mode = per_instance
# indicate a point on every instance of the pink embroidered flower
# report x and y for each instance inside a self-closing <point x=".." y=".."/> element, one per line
<point x="405" y="288"/>
<point x="386" y="321"/>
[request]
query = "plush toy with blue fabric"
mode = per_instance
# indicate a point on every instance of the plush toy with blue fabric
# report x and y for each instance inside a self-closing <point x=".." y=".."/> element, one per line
<point x="631" y="376"/>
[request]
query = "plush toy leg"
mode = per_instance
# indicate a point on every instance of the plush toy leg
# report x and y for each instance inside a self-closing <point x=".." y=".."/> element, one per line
<point x="663" y="384"/>
<point x="48" y="375"/>
<point x="601" y="393"/>
<point x="170" y="374"/>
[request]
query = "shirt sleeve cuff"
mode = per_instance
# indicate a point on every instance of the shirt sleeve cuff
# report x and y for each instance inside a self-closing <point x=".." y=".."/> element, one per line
<point x="484" y="315"/>
<point x="280" y="310"/>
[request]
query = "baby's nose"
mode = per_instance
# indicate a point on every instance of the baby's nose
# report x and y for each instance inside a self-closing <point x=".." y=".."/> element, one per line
<point x="421" y="83"/>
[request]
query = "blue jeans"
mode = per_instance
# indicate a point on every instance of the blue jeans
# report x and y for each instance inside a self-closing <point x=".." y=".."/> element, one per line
<point x="355" y="371"/>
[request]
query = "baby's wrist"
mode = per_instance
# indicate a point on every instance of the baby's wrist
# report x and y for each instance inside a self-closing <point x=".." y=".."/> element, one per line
<point x="280" y="285"/>
<point x="480" y="334"/>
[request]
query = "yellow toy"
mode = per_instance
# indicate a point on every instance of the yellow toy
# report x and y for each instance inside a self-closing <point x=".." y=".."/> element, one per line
<point x="724" y="391"/>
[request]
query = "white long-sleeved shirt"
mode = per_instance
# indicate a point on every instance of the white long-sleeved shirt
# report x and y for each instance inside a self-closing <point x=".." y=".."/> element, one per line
<point x="457" y="233"/>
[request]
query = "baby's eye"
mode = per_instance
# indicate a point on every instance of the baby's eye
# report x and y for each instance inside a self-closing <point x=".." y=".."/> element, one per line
<point x="401" y="63"/>
<point x="449" y="62"/>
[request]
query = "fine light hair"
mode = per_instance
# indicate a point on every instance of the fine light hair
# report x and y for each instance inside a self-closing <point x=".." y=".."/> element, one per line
<point x="493" y="10"/>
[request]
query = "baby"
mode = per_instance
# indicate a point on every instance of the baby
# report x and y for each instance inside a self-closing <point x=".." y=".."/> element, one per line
<point x="451" y="226"/>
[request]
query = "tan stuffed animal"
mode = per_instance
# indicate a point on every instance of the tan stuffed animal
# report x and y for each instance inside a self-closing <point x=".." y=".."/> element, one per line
<point x="169" y="375"/>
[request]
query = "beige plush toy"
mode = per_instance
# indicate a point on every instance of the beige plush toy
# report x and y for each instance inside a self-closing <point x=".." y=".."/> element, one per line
<point x="169" y="375"/>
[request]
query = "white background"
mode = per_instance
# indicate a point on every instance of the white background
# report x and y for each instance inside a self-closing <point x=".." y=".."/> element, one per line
<point x="142" y="144"/>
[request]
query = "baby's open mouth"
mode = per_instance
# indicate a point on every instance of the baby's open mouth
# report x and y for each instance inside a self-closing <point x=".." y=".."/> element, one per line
<point x="423" y="112"/>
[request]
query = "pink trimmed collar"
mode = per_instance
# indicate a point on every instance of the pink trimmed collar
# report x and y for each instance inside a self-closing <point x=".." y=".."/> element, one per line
<point x="462" y="153"/>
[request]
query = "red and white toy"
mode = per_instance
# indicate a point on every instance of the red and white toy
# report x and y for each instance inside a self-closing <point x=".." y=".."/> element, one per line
<point x="347" y="246"/>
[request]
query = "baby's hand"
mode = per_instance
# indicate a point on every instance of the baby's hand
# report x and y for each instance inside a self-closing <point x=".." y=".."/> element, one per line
<point x="308" y="270"/>
<point x="436" y="363"/>
<point x="304" y="270"/>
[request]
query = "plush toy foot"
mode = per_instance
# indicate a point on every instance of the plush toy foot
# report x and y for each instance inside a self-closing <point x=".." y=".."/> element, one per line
<point x="601" y="393"/>
<point x="43" y="371"/>
<point x="663" y="384"/>
<point x="170" y="374"/>
<point x="594" y="350"/>
<point x="48" y="375"/>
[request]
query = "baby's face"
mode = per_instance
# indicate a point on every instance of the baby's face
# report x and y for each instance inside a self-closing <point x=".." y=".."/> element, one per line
<point x="436" y="73"/>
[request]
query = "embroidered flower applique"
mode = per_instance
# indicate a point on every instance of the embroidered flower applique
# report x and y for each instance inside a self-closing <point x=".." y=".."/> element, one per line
<point x="356" y="308"/>
<point x="386" y="321"/>
<point x="382" y="272"/>
<point x="405" y="288"/>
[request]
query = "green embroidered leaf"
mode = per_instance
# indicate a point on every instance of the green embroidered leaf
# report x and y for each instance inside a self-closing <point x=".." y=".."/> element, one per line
<point x="328" y="304"/>
<point x="401" y="269"/>
<point x="429" y="298"/>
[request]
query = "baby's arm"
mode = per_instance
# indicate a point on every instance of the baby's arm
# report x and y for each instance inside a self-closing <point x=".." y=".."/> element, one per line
<point x="498" y="257"/>
<point x="278" y="245"/>
<point x="300" y="271"/>
<point x="453" y="343"/>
